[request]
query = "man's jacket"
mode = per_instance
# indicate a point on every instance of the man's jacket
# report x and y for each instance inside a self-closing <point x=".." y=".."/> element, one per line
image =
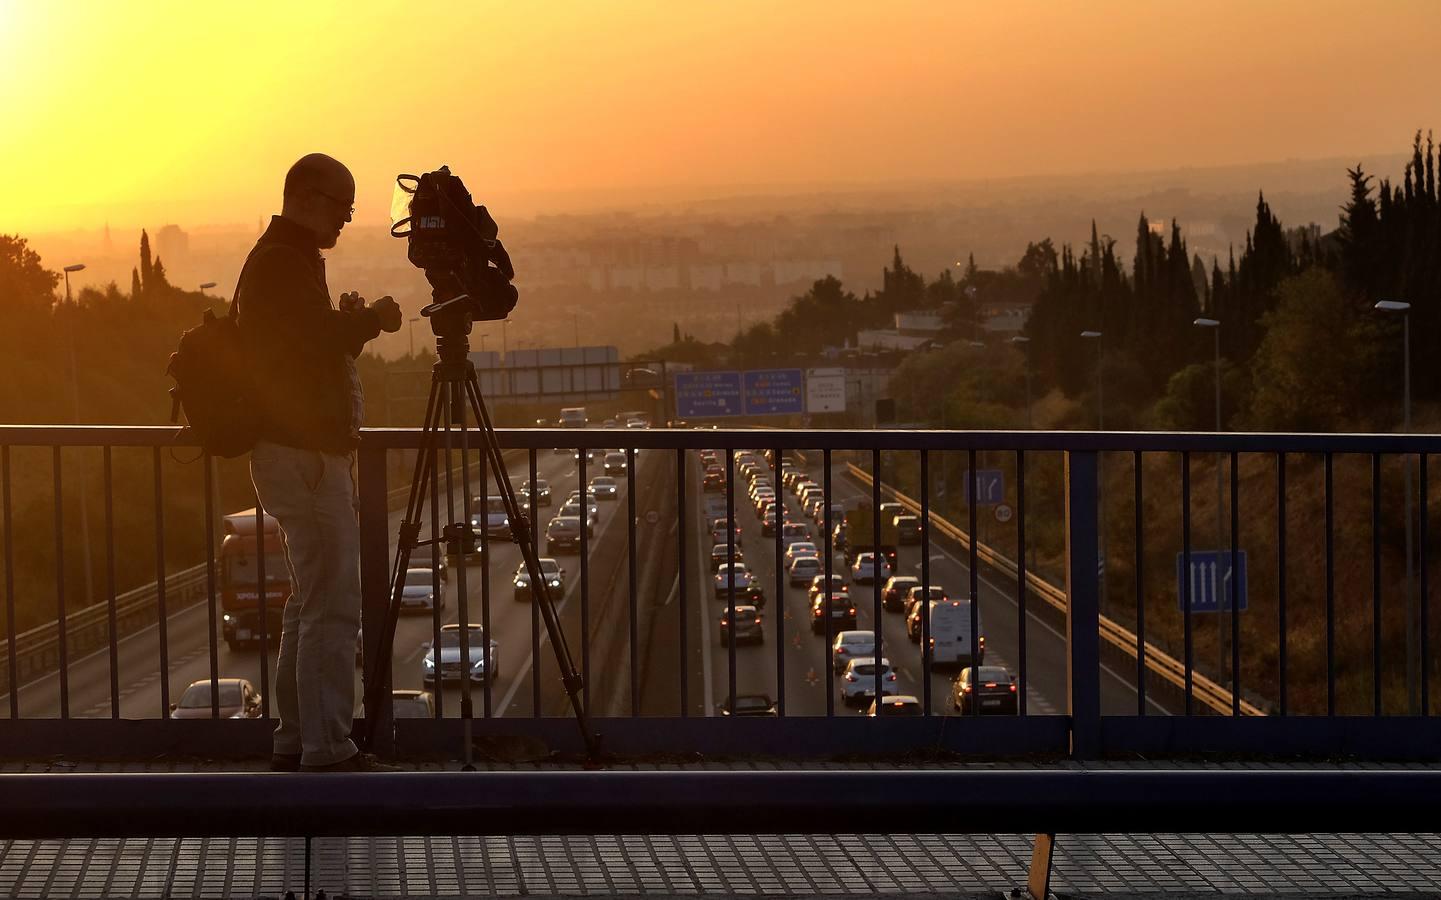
<point x="300" y="342"/>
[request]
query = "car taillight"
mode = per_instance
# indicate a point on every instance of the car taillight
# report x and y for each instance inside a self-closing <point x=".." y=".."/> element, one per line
<point x="965" y="689"/>
<point x="1013" y="688"/>
<point x="982" y="641"/>
<point x="890" y="676"/>
<point x="933" y="642"/>
<point x="758" y="620"/>
<point x="816" y="612"/>
<point x="853" y="610"/>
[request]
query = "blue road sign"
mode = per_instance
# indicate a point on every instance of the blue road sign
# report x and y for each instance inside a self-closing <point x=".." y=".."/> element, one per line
<point x="1211" y="577"/>
<point x="990" y="485"/>
<point x="772" y="392"/>
<point x="700" y="395"/>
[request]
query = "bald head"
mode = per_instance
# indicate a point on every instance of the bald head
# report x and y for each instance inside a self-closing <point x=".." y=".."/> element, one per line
<point x="319" y="194"/>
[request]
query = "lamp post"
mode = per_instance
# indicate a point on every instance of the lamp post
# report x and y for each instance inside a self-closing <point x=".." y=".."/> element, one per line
<point x="1404" y="308"/>
<point x="1022" y="342"/>
<point x="413" y="320"/>
<point x="205" y="286"/>
<point x="75" y="408"/>
<point x="1221" y="621"/>
<point x="1100" y="458"/>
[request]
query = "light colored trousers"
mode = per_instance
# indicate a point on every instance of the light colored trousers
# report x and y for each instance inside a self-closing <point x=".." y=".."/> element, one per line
<point x="312" y="495"/>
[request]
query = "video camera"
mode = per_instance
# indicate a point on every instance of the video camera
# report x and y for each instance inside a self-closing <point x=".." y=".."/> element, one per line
<point x="454" y="241"/>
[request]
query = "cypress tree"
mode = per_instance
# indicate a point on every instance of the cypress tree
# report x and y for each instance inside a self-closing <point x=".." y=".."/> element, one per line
<point x="145" y="267"/>
<point x="135" y="290"/>
<point x="157" y="275"/>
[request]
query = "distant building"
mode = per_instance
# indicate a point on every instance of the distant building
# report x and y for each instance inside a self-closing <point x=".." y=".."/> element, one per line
<point x="172" y="245"/>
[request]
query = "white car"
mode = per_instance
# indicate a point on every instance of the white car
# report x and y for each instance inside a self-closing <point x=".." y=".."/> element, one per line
<point x="804" y="569"/>
<point x="452" y="666"/>
<point x="794" y="532"/>
<point x="797" y="549"/>
<point x="867" y="569"/>
<point x="851" y="645"/>
<point x="858" y="682"/>
<point x="419" y="591"/>
<point x="730" y="576"/>
<point x="604" y="487"/>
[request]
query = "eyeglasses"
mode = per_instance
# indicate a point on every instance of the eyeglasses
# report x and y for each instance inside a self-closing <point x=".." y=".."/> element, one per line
<point x="343" y="204"/>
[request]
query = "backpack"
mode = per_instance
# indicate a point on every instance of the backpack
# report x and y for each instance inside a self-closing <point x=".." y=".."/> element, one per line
<point x="214" y="384"/>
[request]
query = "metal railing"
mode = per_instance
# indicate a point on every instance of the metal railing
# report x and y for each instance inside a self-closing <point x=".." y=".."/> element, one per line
<point x="648" y="611"/>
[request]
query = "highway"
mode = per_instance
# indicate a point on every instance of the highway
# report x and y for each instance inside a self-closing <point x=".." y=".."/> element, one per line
<point x="511" y="626"/>
<point x="805" y="657"/>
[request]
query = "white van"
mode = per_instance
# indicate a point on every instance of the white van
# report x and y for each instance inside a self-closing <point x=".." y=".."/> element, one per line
<point x="951" y="633"/>
<point x="573" y="417"/>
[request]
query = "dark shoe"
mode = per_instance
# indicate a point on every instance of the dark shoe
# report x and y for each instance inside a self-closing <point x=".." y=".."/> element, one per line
<point x="360" y="762"/>
<point x="285" y="762"/>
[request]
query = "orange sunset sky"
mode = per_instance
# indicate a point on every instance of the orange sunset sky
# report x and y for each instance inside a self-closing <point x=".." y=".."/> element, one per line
<point x="190" y="112"/>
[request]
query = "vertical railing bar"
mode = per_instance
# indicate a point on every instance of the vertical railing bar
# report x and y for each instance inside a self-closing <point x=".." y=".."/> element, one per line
<point x="730" y="575"/>
<point x="484" y="465"/>
<point x="582" y="459"/>
<point x="827" y="655"/>
<point x="1330" y="590"/>
<point x="877" y="559"/>
<point x="1235" y="588"/>
<point x="534" y="606"/>
<point x="681" y="580"/>
<point x="1186" y="598"/>
<point x="1375" y="584"/>
<point x="262" y="592"/>
<point x="1281" y="580"/>
<point x="778" y="509"/>
<point x="630" y="557"/>
<point x="60" y="586"/>
<point x="1425" y="624"/>
<point x="974" y="534"/>
<point x="113" y="637"/>
<point x="160" y="622"/>
<point x="926" y="582"/>
<point x="12" y="673"/>
<point x="1139" y="465"/>
<point x="211" y="614"/>
<point x="436" y="549"/>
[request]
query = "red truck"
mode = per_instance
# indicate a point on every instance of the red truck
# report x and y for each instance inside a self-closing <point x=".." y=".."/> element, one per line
<point x="240" y="596"/>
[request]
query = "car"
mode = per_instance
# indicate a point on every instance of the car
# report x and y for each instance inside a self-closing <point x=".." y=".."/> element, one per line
<point x="481" y="662"/>
<point x="605" y="487"/>
<point x="897" y="588"/>
<point x="858" y="681"/>
<point x="813" y="505"/>
<point x="636" y="423"/>
<point x="590" y="498"/>
<point x="992" y="687"/>
<point x="908" y="529"/>
<point x="731" y="576"/>
<point x="418" y="593"/>
<point x="610" y="423"/>
<point x="887" y="512"/>
<point x="913" y="609"/>
<point x="718" y="532"/>
<point x="748" y="625"/>
<point x="896" y="705"/>
<point x="798" y="549"/>
<point x="791" y="532"/>
<point x="614" y="462"/>
<point x="720" y="555"/>
<point x="237" y="699"/>
<point x="838" y="513"/>
<point x="542" y="423"/>
<point x="818" y="584"/>
<point x="867" y="568"/>
<point x="412" y="704"/>
<point x="571" y="510"/>
<point x="748" y="705"/>
<point x="489" y="513"/>
<point x="563" y="533"/>
<point x="802" y="485"/>
<point x="541" y="488"/>
<point x="840" y="610"/>
<point x="850" y="645"/>
<point x="714" y="481"/>
<point x="803" y="570"/>
<point x="809" y="492"/>
<point x="550" y="570"/>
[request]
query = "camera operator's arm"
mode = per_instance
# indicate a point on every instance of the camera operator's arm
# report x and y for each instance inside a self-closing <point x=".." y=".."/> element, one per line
<point x="284" y="298"/>
<point x="386" y="308"/>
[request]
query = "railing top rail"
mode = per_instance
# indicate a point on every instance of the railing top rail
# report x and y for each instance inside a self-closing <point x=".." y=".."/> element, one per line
<point x="847" y="439"/>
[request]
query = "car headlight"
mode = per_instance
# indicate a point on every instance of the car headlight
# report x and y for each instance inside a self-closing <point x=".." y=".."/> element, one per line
<point x="227" y="618"/>
<point x="555" y="582"/>
<point x="522" y="583"/>
<point x="505" y="522"/>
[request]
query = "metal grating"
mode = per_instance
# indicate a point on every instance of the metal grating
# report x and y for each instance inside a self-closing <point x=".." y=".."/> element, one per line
<point x="719" y="865"/>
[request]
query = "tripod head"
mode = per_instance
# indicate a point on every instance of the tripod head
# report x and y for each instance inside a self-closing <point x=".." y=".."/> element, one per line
<point x="451" y="321"/>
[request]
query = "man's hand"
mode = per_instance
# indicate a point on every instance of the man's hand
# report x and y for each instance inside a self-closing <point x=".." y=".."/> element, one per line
<point x="388" y="312"/>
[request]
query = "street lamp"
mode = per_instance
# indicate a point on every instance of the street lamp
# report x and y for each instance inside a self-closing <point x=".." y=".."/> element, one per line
<point x="412" y="334"/>
<point x="205" y="286"/>
<point x="1215" y="326"/>
<point x="75" y="407"/>
<point x="1021" y="341"/>
<point x="1404" y="308"/>
<point x="1100" y="388"/>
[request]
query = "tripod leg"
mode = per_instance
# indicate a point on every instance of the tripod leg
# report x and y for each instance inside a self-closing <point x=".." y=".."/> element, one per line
<point x="570" y="678"/>
<point x="467" y="710"/>
<point x="376" y="679"/>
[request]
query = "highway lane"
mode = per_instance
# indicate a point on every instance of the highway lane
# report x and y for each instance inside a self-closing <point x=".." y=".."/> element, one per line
<point x="189" y="654"/>
<point x="809" y="684"/>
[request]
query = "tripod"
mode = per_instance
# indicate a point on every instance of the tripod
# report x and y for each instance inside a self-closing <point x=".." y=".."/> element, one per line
<point x="453" y="387"/>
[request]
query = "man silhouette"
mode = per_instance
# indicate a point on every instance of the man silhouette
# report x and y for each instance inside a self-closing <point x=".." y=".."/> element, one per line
<point x="310" y="404"/>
